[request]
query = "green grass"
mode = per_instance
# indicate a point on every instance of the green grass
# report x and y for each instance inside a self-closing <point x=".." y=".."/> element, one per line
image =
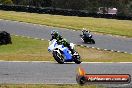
<point x="100" y="25"/>
<point x="22" y="45"/>
<point x="24" y="49"/>
<point x="48" y="86"/>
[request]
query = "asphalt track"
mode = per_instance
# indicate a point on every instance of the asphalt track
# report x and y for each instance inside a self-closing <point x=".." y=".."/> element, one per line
<point x="105" y="42"/>
<point x="53" y="73"/>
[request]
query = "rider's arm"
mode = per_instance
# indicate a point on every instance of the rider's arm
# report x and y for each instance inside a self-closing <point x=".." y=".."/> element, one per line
<point x="60" y="37"/>
<point x="52" y="38"/>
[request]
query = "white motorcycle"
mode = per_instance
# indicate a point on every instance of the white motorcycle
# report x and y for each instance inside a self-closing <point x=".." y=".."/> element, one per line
<point x="62" y="54"/>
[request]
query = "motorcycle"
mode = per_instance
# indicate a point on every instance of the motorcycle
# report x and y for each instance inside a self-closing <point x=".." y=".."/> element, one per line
<point x="88" y="38"/>
<point x="62" y="54"/>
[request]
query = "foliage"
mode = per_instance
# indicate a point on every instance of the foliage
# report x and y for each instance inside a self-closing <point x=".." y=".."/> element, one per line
<point x="6" y="2"/>
<point x="124" y="6"/>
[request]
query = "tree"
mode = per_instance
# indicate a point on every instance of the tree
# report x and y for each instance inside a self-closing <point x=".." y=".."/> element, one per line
<point x="6" y="2"/>
<point x="69" y="4"/>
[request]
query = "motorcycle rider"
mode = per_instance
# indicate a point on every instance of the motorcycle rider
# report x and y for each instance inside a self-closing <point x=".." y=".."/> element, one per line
<point x="55" y="35"/>
<point x="85" y="33"/>
<point x="61" y="40"/>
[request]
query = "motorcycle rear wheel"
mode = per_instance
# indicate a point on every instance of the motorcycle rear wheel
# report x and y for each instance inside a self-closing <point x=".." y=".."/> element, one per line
<point x="77" y="59"/>
<point x="92" y="41"/>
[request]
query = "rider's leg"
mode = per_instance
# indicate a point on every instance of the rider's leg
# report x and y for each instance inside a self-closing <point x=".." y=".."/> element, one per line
<point x="72" y="50"/>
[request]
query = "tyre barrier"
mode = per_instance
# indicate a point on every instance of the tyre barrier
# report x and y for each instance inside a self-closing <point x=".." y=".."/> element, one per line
<point x="5" y="38"/>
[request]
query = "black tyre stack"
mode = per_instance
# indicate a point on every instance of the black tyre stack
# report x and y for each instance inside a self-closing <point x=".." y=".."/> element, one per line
<point x="5" y="38"/>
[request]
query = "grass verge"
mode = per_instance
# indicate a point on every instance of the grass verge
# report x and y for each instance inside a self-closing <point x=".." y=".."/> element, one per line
<point x="101" y="25"/>
<point x="24" y="49"/>
<point x="48" y="86"/>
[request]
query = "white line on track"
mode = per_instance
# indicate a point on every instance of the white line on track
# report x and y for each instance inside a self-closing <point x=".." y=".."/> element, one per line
<point x="68" y="62"/>
<point x="98" y="48"/>
<point x="109" y="62"/>
<point x="29" y="61"/>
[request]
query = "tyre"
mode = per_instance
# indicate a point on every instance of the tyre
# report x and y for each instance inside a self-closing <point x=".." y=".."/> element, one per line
<point x="59" y="58"/>
<point x="85" y="40"/>
<point x="77" y="59"/>
<point x="81" y="80"/>
<point x="5" y="38"/>
<point x="92" y="41"/>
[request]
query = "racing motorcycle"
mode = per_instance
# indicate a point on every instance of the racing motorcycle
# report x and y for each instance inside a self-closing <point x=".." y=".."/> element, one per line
<point x="88" y="38"/>
<point x="62" y="54"/>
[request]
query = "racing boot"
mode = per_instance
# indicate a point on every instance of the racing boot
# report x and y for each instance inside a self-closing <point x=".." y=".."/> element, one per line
<point x="73" y="52"/>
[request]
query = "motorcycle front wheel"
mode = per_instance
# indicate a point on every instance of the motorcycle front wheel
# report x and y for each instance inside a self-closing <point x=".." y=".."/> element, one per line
<point x="58" y="57"/>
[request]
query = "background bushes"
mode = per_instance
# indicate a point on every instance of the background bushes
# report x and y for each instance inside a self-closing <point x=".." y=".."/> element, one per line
<point x="70" y="7"/>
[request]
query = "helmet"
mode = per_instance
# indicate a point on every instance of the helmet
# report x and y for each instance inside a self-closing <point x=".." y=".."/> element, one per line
<point x="84" y="30"/>
<point x="54" y="32"/>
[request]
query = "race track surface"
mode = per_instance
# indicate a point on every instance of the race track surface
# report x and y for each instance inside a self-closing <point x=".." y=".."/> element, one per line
<point x="36" y="31"/>
<point x="54" y="73"/>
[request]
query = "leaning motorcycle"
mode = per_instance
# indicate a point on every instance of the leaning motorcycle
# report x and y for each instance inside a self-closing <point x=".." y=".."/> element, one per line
<point x="62" y="54"/>
<point x="88" y="38"/>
